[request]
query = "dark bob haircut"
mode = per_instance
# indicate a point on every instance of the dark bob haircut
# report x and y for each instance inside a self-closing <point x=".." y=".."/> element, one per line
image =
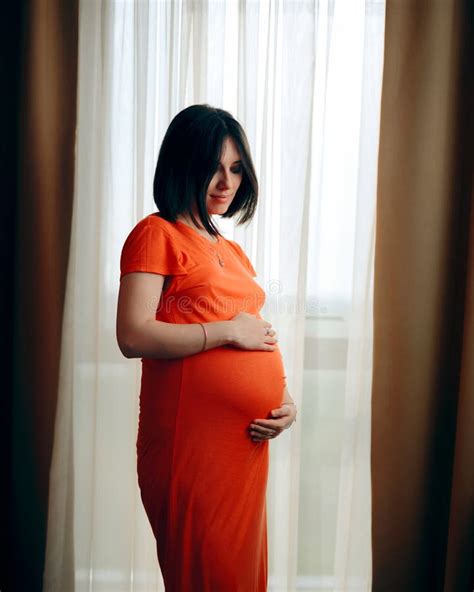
<point x="189" y="157"/>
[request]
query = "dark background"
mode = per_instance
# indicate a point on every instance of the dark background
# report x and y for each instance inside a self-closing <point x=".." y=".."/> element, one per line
<point x="11" y="59"/>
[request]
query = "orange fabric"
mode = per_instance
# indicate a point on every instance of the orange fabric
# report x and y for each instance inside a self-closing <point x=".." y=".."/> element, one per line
<point x="202" y="479"/>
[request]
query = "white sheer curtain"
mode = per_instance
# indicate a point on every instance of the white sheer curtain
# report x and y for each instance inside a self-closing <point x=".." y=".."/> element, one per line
<point x="304" y="79"/>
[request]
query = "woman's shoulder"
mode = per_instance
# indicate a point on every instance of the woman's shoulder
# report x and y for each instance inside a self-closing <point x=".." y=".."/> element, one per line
<point x="154" y="245"/>
<point x="158" y="228"/>
<point x="241" y="255"/>
<point x="235" y="246"/>
<point x="156" y="220"/>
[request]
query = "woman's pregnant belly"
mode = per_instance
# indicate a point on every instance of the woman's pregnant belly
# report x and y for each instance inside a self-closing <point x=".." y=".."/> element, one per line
<point x="198" y="467"/>
<point x="193" y="429"/>
<point x="235" y="382"/>
<point x="212" y="395"/>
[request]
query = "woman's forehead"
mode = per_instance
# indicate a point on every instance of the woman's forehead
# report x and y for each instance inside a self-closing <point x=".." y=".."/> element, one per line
<point x="230" y="150"/>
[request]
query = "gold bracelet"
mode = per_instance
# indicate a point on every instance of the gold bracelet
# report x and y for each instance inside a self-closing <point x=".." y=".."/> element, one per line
<point x="205" y="336"/>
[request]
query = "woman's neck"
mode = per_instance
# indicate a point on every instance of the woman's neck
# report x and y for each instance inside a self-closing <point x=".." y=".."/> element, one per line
<point x="201" y="230"/>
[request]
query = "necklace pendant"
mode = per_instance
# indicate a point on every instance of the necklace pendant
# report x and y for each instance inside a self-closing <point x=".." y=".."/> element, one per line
<point x="221" y="262"/>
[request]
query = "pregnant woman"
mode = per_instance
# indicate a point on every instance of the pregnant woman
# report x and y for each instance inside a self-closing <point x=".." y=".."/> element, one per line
<point x="213" y="389"/>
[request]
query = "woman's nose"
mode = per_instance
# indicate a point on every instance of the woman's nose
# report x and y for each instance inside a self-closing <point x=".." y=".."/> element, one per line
<point x="224" y="179"/>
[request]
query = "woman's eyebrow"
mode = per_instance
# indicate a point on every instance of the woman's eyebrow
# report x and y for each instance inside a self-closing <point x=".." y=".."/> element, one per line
<point x="235" y="162"/>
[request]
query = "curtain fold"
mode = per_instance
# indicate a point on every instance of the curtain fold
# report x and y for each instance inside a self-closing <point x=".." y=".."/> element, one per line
<point x="46" y="119"/>
<point x="423" y="387"/>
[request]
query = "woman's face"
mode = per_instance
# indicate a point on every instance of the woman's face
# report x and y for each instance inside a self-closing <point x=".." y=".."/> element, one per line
<point x="226" y="180"/>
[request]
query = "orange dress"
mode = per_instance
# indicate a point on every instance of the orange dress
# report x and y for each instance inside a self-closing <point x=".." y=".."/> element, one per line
<point x="201" y="477"/>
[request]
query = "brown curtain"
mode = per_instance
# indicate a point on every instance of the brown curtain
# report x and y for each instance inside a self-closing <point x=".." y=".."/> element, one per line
<point x="42" y="129"/>
<point x="423" y="377"/>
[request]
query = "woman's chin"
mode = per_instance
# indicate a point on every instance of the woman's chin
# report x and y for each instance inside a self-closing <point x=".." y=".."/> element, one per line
<point x="213" y="211"/>
<point x="213" y="207"/>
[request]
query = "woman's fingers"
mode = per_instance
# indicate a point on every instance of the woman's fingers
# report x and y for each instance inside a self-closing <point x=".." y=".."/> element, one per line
<point x="259" y="432"/>
<point x="270" y="337"/>
<point x="259" y="436"/>
<point x="263" y="430"/>
<point x="272" y="424"/>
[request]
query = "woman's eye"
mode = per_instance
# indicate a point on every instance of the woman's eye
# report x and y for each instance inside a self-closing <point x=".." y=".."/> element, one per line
<point x="236" y="170"/>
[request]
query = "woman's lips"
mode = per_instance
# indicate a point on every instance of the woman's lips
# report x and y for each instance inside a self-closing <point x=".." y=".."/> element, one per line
<point x="220" y="198"/>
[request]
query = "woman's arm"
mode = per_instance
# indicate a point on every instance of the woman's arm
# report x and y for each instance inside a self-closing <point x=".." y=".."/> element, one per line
<point x="156" y="339"/>
<point x="140" y="335"/>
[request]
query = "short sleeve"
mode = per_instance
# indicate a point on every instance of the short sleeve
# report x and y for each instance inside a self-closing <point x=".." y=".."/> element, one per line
<point x="149" y="247"/>
<point x="245" y="260"/>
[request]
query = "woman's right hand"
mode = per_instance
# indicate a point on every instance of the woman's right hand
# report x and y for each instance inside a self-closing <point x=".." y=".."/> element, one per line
<point x="250" y="332"/>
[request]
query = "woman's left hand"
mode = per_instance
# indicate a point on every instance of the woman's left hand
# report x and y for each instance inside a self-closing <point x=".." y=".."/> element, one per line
<point x="266" y="429"/>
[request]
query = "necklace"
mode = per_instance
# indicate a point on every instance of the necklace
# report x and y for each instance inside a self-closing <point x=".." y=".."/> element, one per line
<point x="212" y="249"/>
<point x="221" y="261"/>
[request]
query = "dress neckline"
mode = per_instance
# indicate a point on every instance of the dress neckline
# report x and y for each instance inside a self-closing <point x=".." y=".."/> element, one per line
<point x="193" y="231"/>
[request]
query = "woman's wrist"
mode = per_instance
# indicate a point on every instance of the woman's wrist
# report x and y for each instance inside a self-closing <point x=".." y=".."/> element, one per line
<point x="219" y="333"/>
<point x="204" y="345"/>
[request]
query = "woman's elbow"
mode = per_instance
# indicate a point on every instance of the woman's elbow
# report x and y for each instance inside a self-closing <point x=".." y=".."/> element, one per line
<point x="126" y="346"/>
